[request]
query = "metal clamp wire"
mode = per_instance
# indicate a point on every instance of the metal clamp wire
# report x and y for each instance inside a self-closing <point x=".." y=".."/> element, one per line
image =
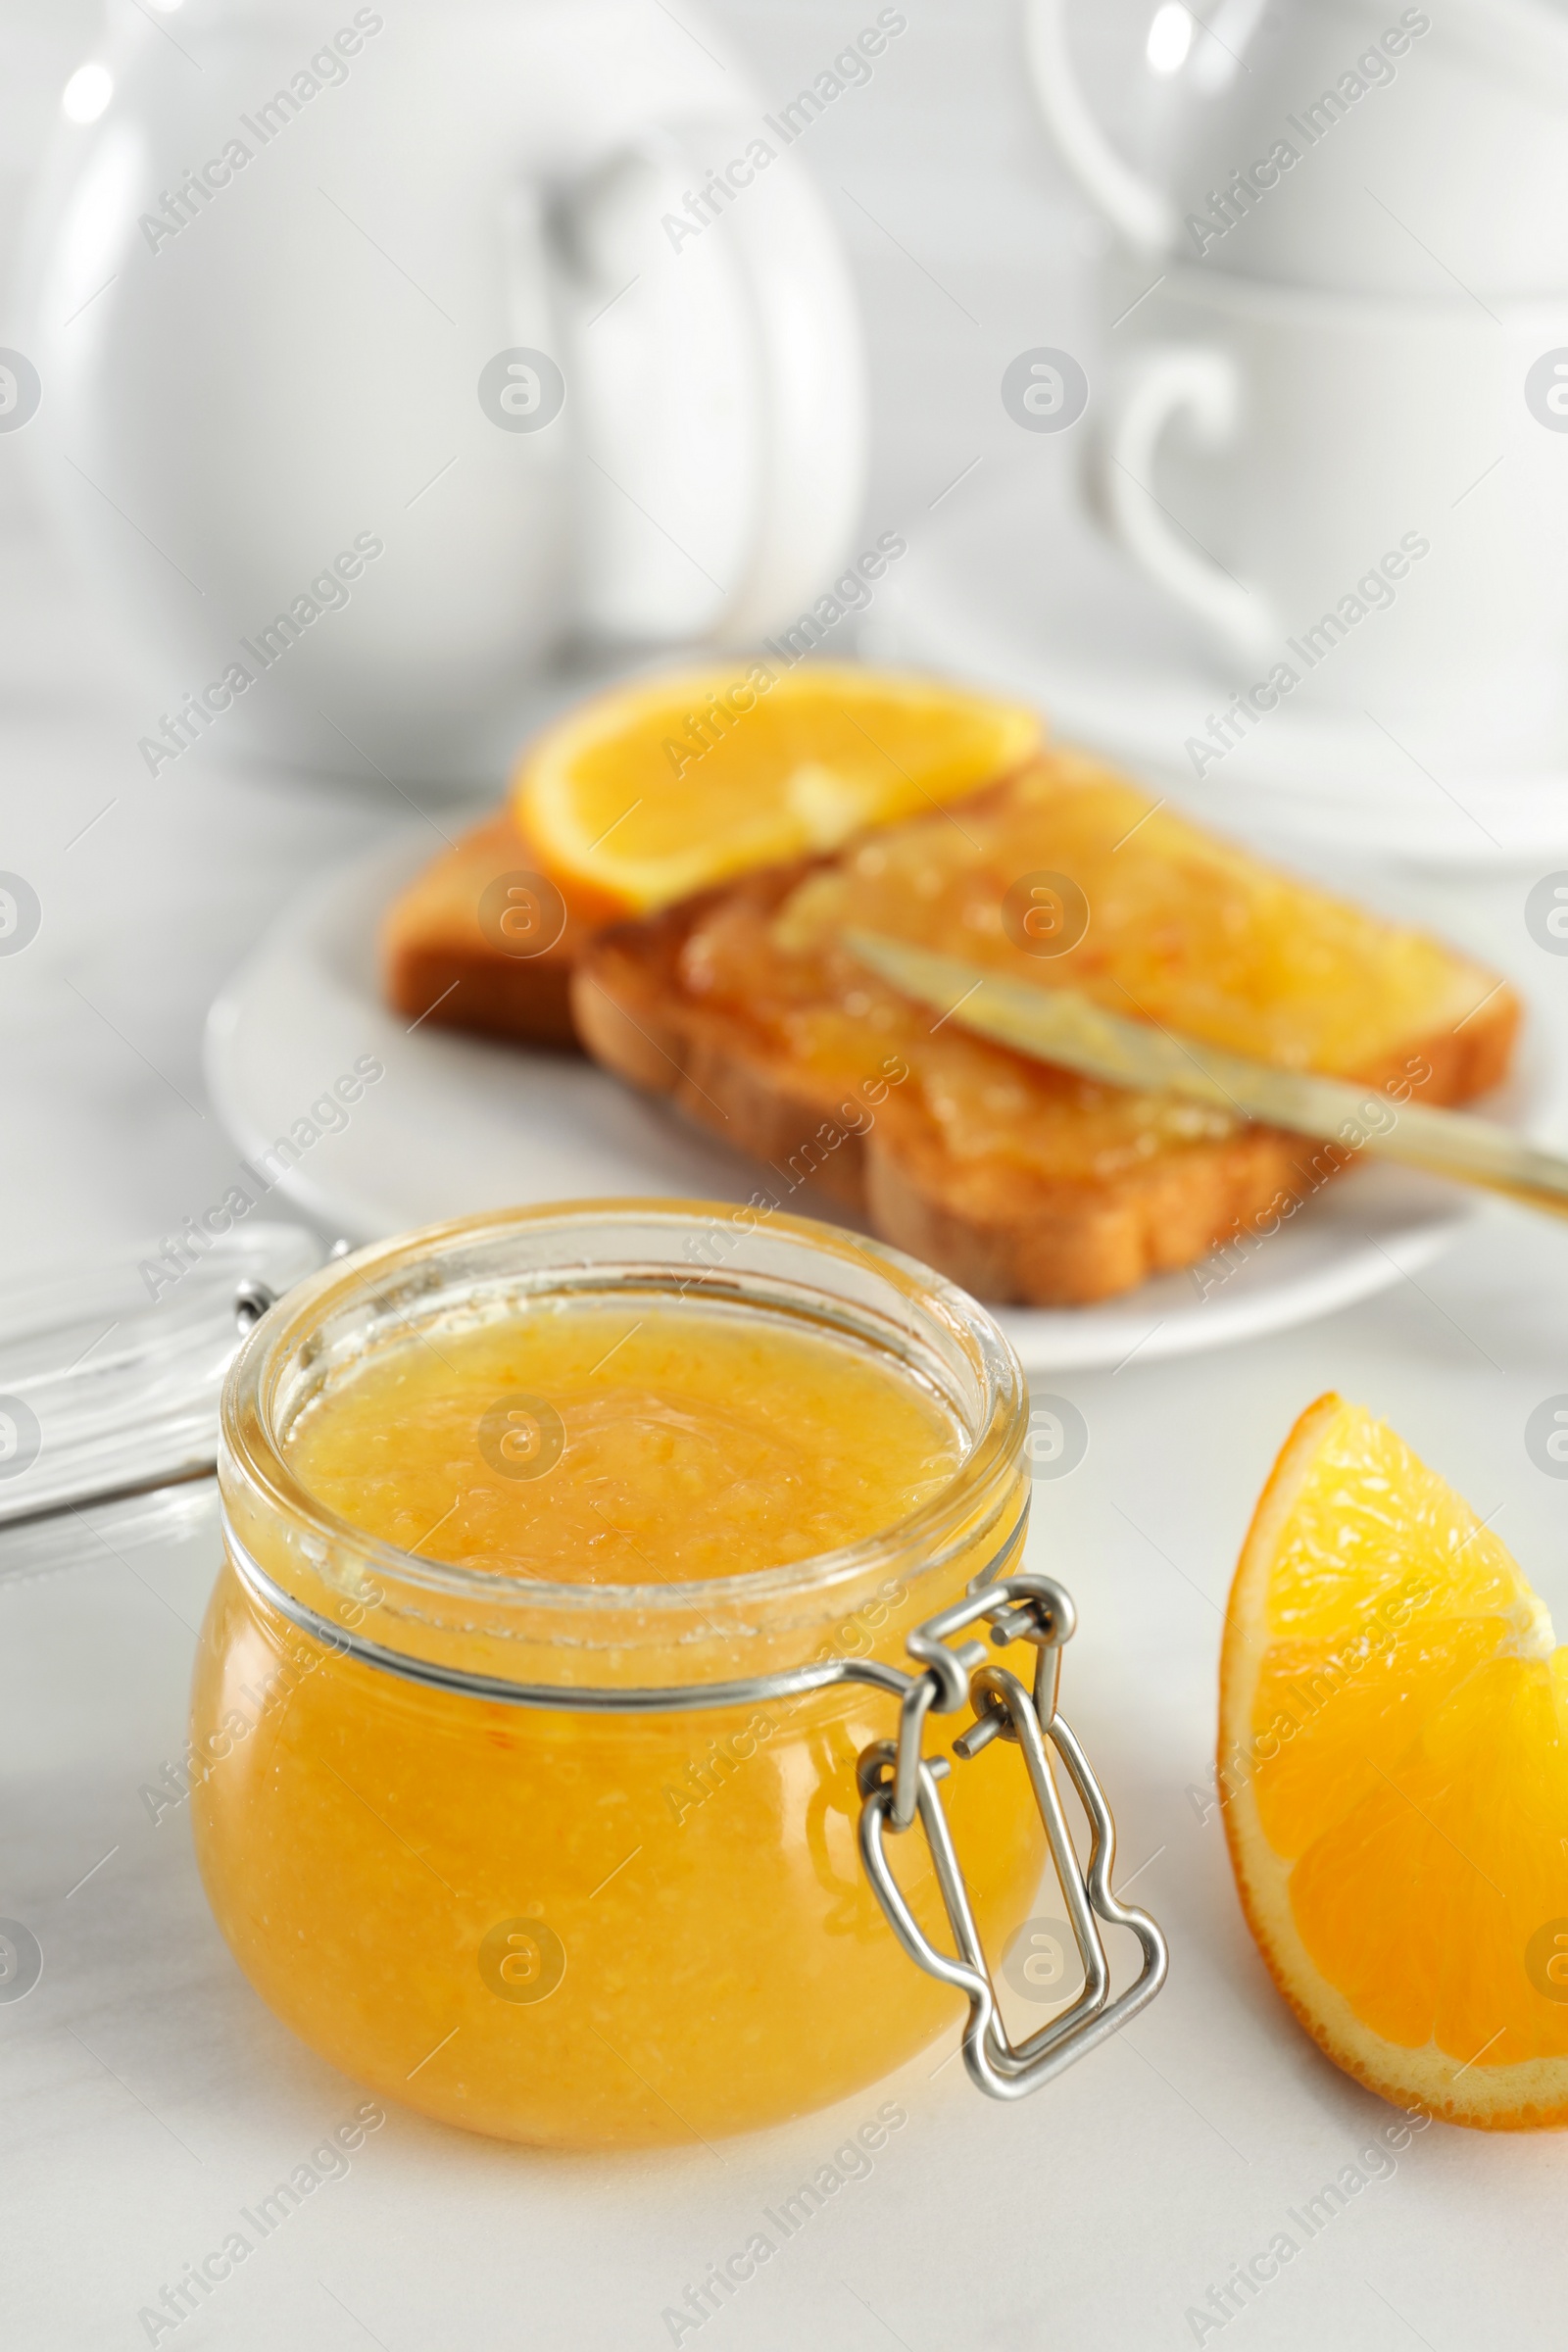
<point x="590" y="1700"/>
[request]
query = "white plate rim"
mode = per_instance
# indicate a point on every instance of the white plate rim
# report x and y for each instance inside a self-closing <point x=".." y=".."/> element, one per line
<point x="311" y="927"/>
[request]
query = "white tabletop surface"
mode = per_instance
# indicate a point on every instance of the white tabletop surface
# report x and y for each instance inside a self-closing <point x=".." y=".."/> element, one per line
<point x="148" y="2095"/>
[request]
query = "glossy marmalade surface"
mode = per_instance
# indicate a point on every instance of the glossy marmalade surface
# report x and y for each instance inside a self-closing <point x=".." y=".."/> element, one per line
<point x="623" y="1444"/>
<point x="588" y="1929"/>
<point x="1170" y="925"/>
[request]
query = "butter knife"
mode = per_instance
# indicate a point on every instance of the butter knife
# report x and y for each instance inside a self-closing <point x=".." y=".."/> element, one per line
<point x="1062" y="1026"/>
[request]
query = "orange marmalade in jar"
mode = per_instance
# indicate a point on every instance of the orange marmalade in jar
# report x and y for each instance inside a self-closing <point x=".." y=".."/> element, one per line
<point x="598" y="1582"/>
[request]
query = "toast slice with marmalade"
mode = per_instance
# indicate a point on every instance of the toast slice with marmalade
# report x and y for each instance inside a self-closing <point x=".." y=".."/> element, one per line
<point x="483" y="939"/>
<point x="1022" y="1181"/>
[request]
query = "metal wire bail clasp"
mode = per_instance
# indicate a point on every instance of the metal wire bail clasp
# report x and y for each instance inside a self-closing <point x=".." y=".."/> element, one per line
<point x="898" y="1785"/>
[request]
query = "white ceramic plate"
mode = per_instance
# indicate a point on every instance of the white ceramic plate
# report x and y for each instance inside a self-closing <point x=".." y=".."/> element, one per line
<point x="457" y="1124"/>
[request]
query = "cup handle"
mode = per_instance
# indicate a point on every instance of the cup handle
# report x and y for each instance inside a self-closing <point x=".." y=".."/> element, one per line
<point x="1200" y="386"/>
<point x="1143" y="215"/>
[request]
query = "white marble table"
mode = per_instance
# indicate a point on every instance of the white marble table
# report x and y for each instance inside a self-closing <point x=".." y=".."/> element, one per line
<point x="148" y="2094"/>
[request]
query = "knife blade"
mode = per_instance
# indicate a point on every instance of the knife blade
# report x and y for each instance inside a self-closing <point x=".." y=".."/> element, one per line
<point x="1062" y="1025"/>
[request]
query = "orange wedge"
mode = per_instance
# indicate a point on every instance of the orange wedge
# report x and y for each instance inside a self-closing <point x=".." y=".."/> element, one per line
<point x="661" y="787"/>
<point x="1393" y="1775"/>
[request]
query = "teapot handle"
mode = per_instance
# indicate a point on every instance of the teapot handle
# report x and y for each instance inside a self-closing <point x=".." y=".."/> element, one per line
<point x="721" y="393"/>
<point x="1142" y="215"/>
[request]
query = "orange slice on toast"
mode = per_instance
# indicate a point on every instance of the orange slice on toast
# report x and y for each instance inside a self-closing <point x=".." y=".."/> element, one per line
<point x="1394" y="1776"/>
<point x="663" y="785"/>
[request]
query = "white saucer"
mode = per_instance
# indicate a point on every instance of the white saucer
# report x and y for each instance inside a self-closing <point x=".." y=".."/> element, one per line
<point x="457" y="1124"/>
<point x="1018" y="588"/>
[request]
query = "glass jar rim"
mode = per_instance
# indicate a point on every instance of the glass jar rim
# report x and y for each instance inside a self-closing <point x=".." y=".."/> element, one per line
<point x="251" y="1454"/>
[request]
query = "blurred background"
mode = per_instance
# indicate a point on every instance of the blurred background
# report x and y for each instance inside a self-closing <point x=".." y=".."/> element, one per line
<point x="153" y="472"/>
<point x="944" y="144"/>
<point x="966" y="243"/>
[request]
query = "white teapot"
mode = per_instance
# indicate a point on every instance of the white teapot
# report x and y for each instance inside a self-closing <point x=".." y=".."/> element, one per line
<point x="390" y="356"/>
<point x="1363" y="146"/>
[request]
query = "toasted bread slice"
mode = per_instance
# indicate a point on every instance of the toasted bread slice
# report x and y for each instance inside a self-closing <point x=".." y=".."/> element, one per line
<point x="1022" y="1181"/>
<point x="446" y="957"/>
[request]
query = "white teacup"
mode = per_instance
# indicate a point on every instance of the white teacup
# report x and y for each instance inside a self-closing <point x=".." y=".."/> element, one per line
<point x="1371" y="495"/>
<point x="1357" y="145"/>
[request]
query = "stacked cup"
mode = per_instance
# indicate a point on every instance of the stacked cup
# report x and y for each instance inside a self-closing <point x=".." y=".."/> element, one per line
<point x="1335" y="422"/>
